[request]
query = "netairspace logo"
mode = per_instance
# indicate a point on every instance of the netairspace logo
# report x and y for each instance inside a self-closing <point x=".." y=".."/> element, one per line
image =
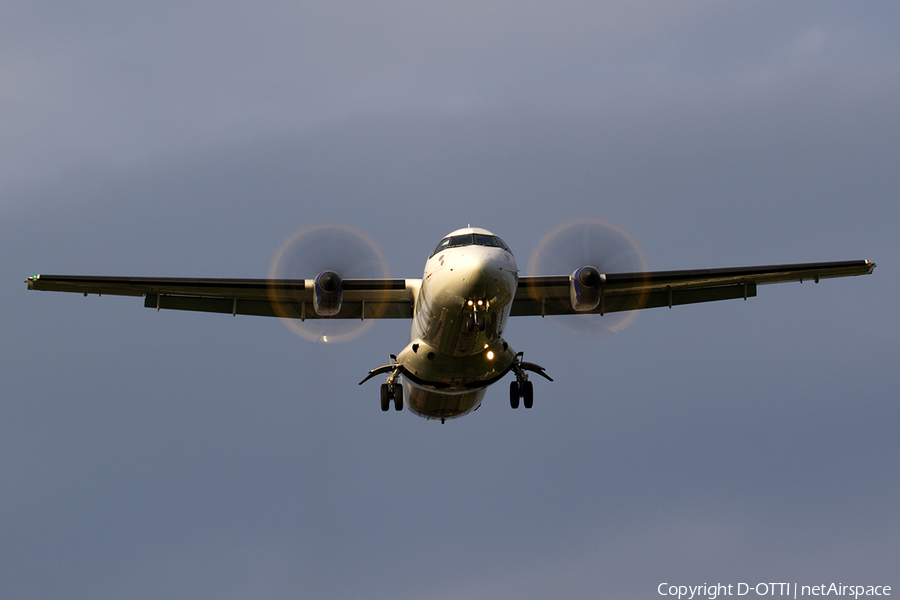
<point x="713" y="591"/>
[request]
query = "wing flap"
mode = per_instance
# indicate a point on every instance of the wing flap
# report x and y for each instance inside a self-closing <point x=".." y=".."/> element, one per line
<point x="265" y="308"/>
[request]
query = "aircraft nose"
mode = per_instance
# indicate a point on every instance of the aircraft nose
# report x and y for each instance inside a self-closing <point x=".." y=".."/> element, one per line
<point x="486" y="278"/>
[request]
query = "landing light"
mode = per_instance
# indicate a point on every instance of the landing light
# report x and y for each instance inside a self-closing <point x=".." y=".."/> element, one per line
<point x="490" y="355"/>
<point x="480" y="303"/>
<point x="470" y="303"/>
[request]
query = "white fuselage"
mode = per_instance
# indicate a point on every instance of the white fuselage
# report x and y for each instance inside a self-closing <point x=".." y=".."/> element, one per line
<point x="449" y="363"/>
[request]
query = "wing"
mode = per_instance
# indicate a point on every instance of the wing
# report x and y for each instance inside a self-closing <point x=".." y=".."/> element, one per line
<point x="289" y="298"/>
<point x="631" y="291"/>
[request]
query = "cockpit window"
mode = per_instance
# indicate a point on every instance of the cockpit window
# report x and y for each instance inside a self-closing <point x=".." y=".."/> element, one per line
<point x="469" y="239"/>
<point x="485" y="240"/>
<point x="442" y="245"/>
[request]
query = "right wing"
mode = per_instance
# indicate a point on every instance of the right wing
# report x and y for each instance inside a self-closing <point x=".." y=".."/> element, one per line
<point x="288" y="298"/>
<point x="631" y="291"/>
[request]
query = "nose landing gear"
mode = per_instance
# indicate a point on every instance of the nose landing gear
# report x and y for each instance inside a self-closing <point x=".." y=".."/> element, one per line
<point x="476" y="319"/>
<point x="473" y="321"/>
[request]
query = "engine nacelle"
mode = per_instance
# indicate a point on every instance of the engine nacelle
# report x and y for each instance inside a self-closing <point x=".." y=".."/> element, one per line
<point x="586" y="288"/>
<point x="328" y="293"/>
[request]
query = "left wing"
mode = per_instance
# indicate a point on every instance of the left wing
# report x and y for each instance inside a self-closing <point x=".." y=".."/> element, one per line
<point x="631" y="291"/>
<point x="289" y="298"/>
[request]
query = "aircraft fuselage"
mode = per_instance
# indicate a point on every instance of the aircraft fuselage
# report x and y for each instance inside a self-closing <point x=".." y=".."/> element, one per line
<point x="456" y="348"/>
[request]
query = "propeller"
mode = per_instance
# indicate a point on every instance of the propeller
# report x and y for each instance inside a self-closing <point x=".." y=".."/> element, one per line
<point x="328" y="253"/>
<point x="589" y="242"/>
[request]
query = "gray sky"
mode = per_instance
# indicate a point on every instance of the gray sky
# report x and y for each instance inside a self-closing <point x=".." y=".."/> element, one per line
<point x="178" y="455"/>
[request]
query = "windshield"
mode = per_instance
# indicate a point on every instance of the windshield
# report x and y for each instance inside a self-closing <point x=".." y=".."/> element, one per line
<point x="469" y="239"/>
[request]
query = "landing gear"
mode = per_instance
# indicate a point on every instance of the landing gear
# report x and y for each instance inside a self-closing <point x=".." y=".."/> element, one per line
<point x="391" y="392"/>
<point x="524" y="390"/>
<point x="398" y="396"/>
<point x="528" y="394"/>
<point x="391" y="388"/>
<point x="474" y="320"/>
<point x="521" y="388"/>
<point x="385" y="397"/>
<point x="514" y="394"/>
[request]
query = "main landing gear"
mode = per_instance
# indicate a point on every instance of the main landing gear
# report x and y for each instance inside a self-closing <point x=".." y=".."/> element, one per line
<point x="391" y="391"/>
<point x="524" y="390"/>
<point x="521" y="388"/>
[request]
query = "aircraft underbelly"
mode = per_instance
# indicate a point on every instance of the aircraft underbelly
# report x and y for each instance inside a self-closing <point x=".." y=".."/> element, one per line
<point x="431" y="404"/>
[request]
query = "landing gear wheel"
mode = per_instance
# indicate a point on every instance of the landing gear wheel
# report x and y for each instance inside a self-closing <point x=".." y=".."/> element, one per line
<point x="514" y="394"/>
<point x="470" y="323"/>
<point x="528" y="394"/>
<point x="385" y="397"/>
<point x="479" y="320"/>
<point x="398" y="397"/>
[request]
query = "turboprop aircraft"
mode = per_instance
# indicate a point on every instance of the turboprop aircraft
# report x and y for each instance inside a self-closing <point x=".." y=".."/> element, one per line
<point x="460" y="309"/>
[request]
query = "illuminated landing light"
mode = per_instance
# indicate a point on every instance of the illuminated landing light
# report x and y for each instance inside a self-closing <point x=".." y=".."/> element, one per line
<point x="325" y="338"/>
<point x="470" y="303"/>
<point x="480" y="303"/>
<point x="490" y="355"/>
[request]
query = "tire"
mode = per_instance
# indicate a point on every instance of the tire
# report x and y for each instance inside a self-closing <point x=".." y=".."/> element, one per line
<point x="481" y="323"/>
<point x="385" y="397"/>
<point x="398" y="397"/>
<point x="514" y="394"/>
<point x="470" y="323"/>
<point x="528" y="394"/>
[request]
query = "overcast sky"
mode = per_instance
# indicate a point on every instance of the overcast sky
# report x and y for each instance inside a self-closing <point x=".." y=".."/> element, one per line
<point x="150" y="454"/>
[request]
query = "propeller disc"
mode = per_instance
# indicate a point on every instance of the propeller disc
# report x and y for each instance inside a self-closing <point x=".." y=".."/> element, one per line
<point x="589" y="242"/>
<point x="310" y="251"/>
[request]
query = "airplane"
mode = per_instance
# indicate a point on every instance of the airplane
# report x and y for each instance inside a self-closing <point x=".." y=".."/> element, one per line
<point x="460" y="309"/>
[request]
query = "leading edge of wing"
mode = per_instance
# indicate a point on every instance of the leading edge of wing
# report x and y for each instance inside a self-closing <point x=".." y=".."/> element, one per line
<point x="362" y="298"/>
<point x="549" y="295"/>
